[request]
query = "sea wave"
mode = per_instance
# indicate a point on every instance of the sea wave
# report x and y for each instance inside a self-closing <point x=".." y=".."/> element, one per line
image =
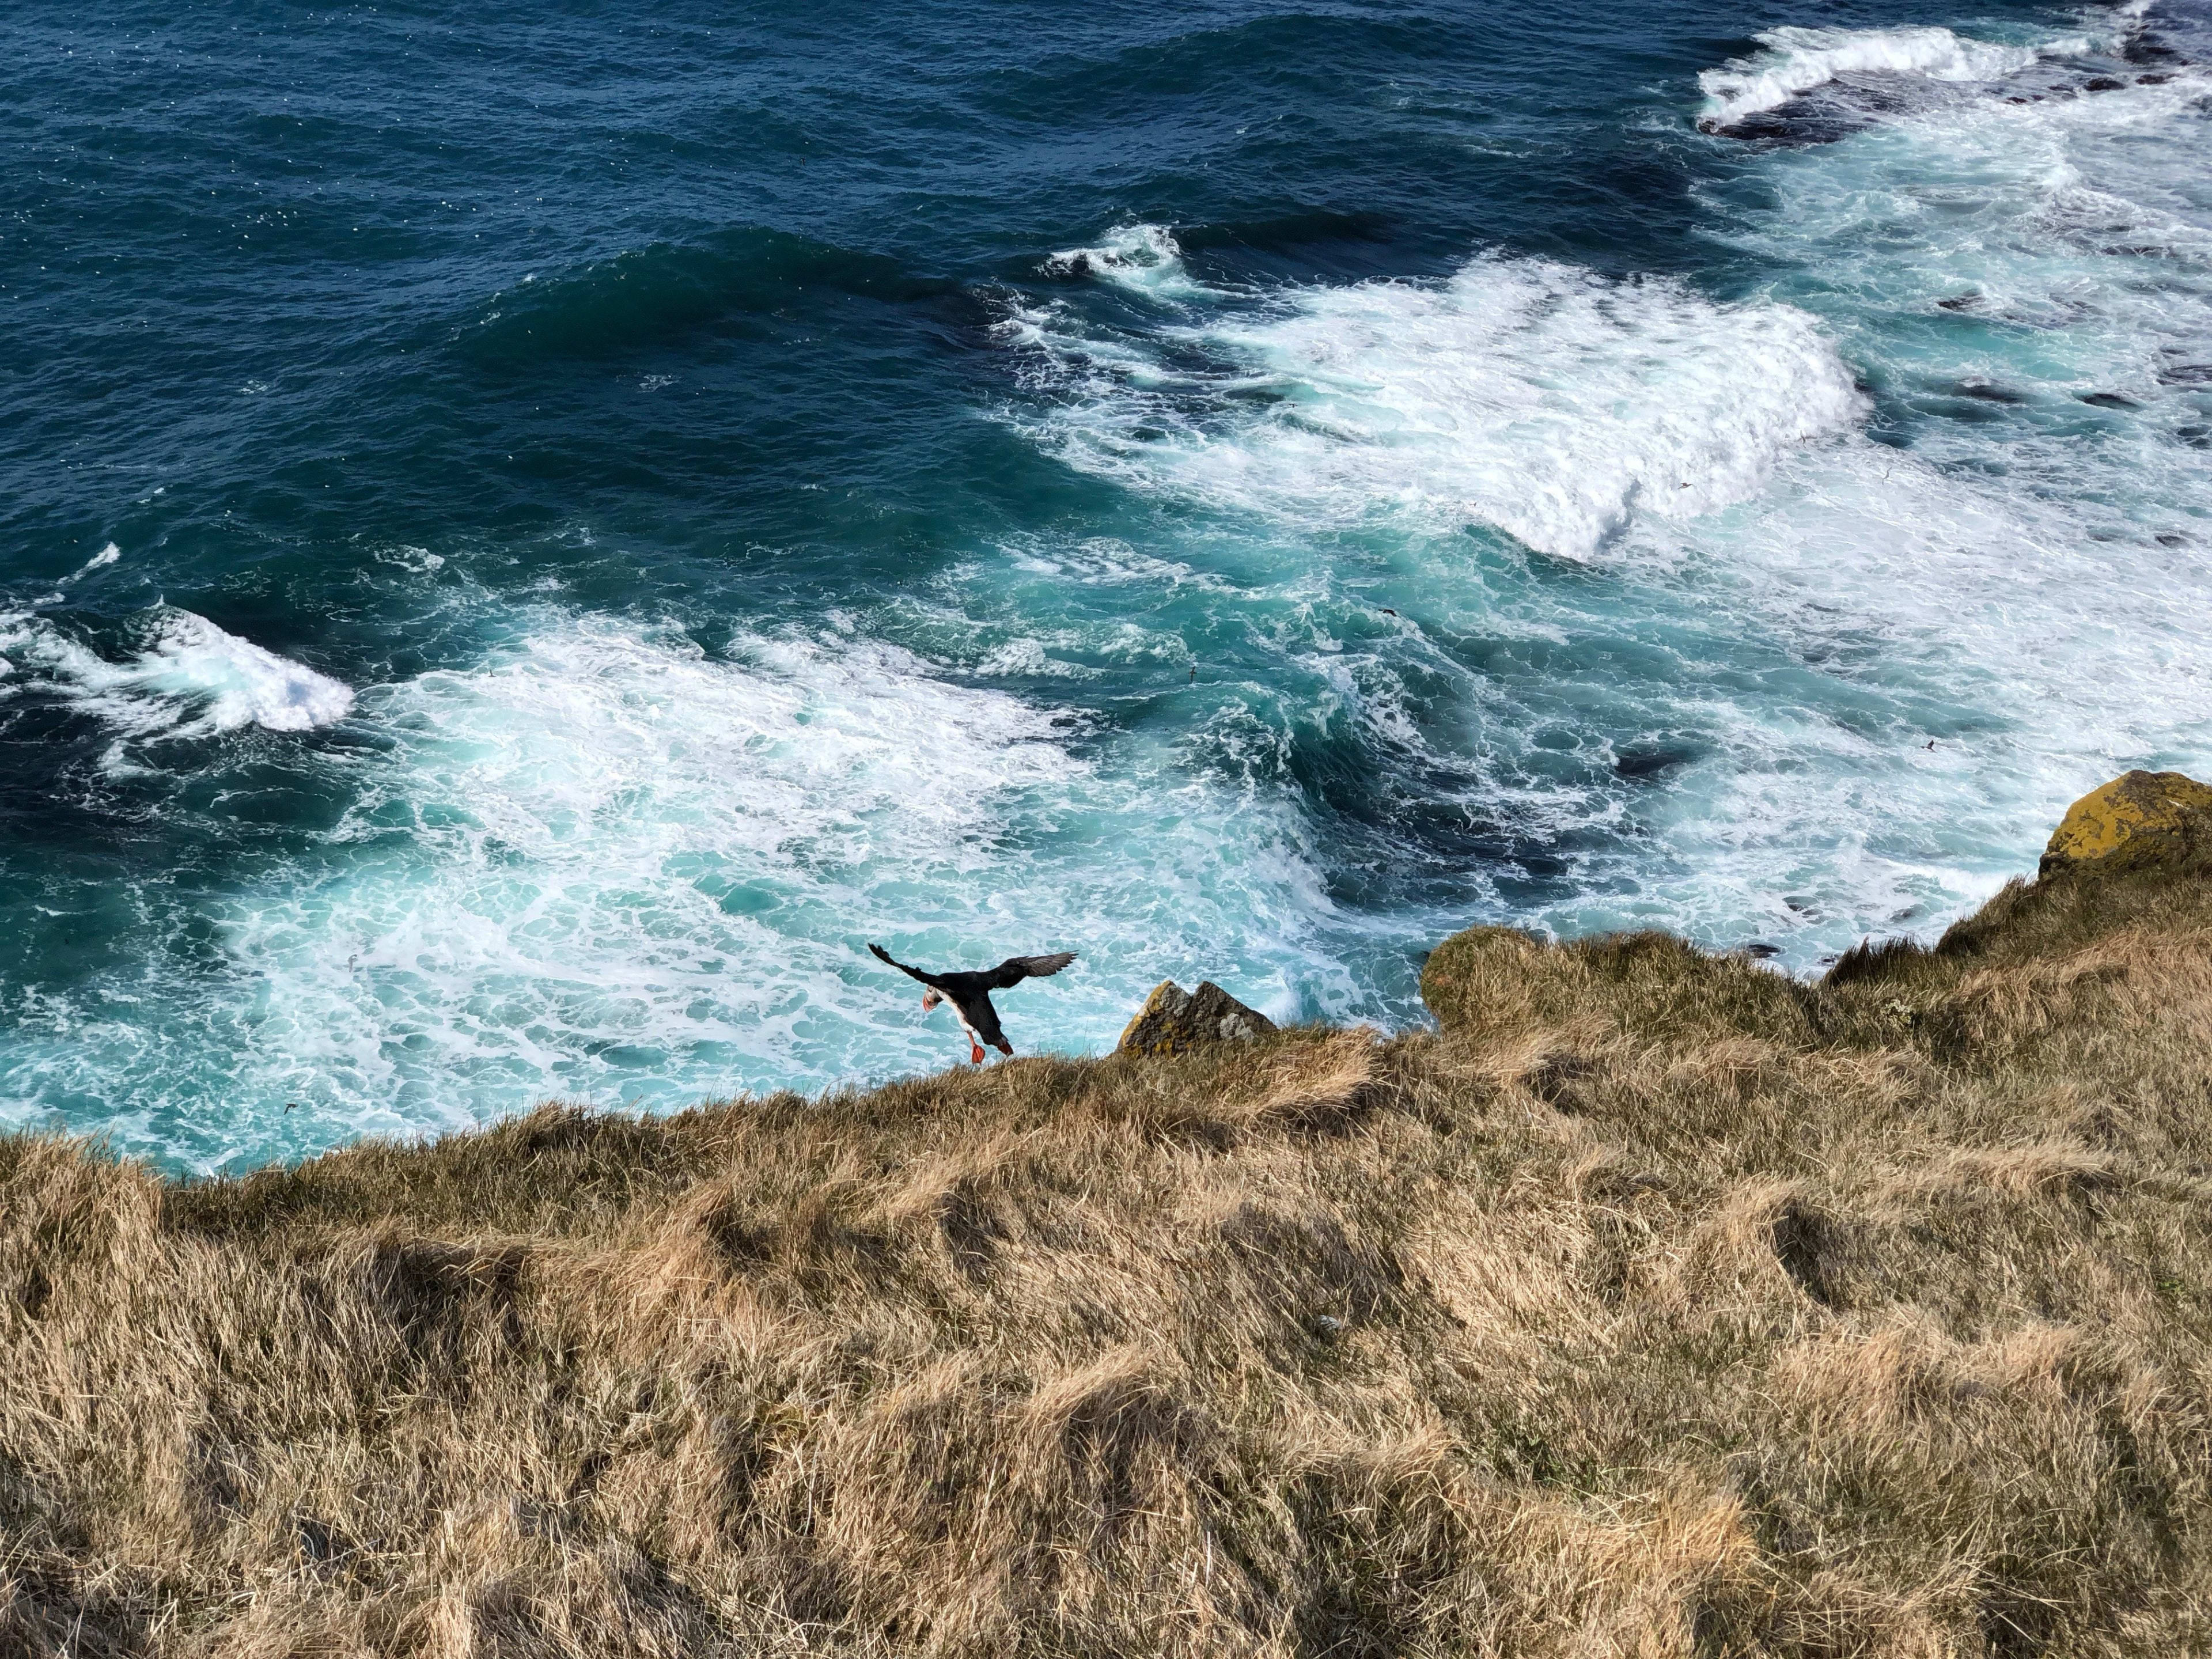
<point x="1540" y="398"/>
<point x="665" y="291"/>
<point x="187" y="678"/>
<point x="1145" y="258"/>
<point x="1796" y="60"/>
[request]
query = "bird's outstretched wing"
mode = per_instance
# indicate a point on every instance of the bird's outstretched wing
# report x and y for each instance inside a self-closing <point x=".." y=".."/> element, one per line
<point x="1014" y="969"/>
<point x="882" y="955"/>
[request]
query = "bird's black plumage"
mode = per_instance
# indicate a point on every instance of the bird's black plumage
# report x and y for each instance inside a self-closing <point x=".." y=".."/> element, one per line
<point x="969" y="991"/>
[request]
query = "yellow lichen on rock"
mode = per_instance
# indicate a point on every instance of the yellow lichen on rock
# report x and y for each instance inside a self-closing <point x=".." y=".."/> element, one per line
<point x="1174" y="1020"/>
<point x="2136" y="821"/>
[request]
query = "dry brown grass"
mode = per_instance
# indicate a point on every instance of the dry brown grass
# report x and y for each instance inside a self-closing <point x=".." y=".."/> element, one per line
<point x="1655" y="1306"/>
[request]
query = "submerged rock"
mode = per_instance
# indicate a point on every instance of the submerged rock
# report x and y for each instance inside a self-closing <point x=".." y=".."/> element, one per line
<point x="1174" y="1019"/>
<point x="2139" y="820"/>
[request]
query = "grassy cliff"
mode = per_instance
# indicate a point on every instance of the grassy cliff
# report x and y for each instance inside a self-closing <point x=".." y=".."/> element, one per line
<point x="1655" y="1305"/>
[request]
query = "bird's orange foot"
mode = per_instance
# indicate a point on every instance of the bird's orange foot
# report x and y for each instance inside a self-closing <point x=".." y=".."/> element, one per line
<point x="975" y="1053"/>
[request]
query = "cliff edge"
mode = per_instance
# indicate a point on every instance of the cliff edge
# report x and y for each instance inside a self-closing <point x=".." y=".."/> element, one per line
<point x="1655" y="1303"/>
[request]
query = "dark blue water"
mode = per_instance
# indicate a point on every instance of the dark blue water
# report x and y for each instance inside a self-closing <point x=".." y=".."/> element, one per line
<point x="526" y="543"/>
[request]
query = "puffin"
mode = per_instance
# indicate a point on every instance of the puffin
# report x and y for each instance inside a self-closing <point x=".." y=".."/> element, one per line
<point x="969" y="993"/>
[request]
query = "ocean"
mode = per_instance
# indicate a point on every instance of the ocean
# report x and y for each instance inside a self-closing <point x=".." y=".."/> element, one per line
<point x="529" y="539"/>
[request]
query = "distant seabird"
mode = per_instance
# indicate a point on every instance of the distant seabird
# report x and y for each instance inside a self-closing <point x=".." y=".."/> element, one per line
<point x="969" y="993"/>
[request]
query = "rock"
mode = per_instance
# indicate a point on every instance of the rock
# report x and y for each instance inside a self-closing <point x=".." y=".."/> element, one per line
<point x="2143" y="821"/>
<point x="1649" y="760"/>
<point x="1174" y="1019"/>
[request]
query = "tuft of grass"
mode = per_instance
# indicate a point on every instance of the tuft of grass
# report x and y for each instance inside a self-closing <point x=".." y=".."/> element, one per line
<point x="1655" y="1305"/>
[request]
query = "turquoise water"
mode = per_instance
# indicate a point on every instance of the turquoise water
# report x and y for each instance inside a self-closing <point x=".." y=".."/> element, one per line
<point x="526" y="544"/>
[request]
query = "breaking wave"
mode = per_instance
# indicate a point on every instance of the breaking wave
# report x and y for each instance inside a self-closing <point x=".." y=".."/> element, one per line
<point x="1796" y="60"/>
<point x="1543" y="399"/>
<point x="1144" y="259"/>
<point x="188" y="678"/>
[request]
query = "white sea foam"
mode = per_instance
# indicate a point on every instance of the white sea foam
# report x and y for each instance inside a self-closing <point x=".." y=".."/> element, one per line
<point x="2028" y="580"/>
<point x="1145" y="258"/>
<point x="190" y="678"/>
<point x="605" y="865"/>
<point x="1796" y="60"/>
<point x="2023" y="585"/>
<point x="1537" y="397"/>
<point x="1894" y="600"/>
<point x="106" y="556"/>
<point x="2071" y="241"/>
<point x="233" y="682"/>
<point x="416" y="560"/>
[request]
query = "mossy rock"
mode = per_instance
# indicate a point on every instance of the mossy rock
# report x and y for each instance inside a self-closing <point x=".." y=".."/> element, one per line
<point x="2140" y="821"/>
<point x="2130" y="854"/>
<point x="1174" y="1020"/>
